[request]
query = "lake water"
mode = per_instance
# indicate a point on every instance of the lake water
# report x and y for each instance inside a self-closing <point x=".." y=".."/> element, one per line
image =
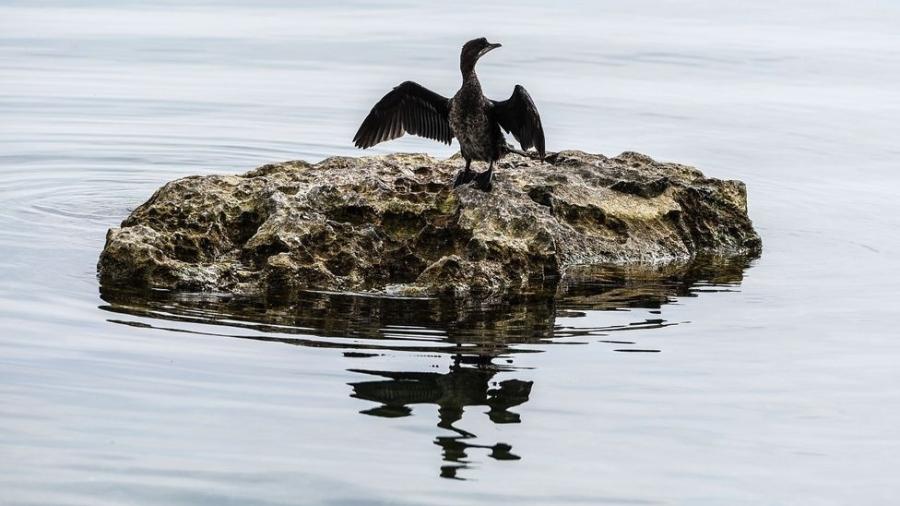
<point x="776" y="382"/>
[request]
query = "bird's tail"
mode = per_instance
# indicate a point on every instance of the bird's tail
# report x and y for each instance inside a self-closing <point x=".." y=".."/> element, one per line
<point x="528" y="154"/>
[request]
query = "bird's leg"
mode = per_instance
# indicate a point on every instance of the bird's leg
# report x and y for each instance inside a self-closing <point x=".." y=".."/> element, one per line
<point x="483" y="180"/>
<point x="466" y="176"/>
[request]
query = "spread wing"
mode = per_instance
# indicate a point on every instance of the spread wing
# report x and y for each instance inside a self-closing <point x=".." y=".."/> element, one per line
<point x="408" y="108"/>
<point x="520" y="117"/>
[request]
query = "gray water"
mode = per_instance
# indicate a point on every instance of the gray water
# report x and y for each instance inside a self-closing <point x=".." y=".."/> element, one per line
<point x="776" y="382"/>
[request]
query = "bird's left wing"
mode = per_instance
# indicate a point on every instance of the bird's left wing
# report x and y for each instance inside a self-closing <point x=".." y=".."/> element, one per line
<point x="519" y="116"/>
<point x="410" y="107"/>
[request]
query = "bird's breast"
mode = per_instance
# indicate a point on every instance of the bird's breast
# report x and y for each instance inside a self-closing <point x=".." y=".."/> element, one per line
<point x="471" y="126"/>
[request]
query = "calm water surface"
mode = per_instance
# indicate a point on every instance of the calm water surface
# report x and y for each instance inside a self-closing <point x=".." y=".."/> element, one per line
<point x="776" y="382"/>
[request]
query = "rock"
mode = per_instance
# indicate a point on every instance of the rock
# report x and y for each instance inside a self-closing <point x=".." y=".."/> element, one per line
<point x="394" y="224"/>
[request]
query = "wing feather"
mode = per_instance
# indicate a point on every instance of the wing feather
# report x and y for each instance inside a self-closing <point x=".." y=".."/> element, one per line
<point x="519" y="116"/>
<point x="408" y="108"/>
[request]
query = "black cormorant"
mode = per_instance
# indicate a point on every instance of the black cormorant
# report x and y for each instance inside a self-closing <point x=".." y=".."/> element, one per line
<point x="472" y="118"/>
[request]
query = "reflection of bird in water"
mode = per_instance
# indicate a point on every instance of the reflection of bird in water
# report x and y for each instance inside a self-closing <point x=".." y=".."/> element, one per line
<point x="472" y="118"/>
<point x="451" y="392"/>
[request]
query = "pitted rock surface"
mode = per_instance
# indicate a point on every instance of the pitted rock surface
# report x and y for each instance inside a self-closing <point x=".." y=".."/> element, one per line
<point x="394" y="224"/>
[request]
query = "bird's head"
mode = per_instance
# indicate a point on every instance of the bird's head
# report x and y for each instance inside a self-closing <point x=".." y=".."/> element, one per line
<point x="472" y="51"/>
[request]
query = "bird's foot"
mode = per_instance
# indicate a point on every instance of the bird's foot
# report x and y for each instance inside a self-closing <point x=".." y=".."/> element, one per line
<point x="464" y="177"/>
<point x="483" y="181"/>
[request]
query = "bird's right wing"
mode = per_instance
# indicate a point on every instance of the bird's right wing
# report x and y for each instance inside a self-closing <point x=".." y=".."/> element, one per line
<point x="410" y="108"/>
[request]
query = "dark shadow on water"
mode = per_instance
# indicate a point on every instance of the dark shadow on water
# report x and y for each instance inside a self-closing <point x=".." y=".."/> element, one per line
<point x="480" y="338"/>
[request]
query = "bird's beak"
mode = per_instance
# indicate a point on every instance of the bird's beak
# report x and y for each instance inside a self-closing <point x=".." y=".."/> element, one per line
<point x="488" y="48"/>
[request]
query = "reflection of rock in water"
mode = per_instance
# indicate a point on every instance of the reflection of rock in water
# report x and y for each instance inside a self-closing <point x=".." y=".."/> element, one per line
<point x="487" y="327"/>
<point x="474" y="332"/>
<point x="451" y="392"/>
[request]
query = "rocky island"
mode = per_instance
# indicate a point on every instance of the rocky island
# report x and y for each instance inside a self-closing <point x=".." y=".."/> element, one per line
<point x="393" y="224"/>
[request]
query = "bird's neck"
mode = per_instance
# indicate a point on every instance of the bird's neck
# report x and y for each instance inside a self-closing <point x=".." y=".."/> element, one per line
<point x="470" y="78"/>
<point x="467" y="67"/>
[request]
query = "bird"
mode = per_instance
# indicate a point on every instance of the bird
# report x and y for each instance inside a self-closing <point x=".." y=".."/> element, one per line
<point x="470" y="117"/>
